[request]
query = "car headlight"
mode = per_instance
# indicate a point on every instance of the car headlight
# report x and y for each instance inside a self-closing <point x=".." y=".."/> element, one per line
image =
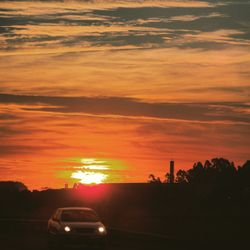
<point x="101" y="229"/>
<point x="67" y="229"/>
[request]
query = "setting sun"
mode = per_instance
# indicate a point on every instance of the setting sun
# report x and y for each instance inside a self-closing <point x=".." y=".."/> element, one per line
<point x="89" y="177"/>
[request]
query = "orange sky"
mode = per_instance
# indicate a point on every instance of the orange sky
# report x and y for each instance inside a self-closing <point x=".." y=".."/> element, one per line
<point x="127" y="84"/>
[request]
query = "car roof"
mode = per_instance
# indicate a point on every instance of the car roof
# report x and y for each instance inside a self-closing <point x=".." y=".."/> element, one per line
<point x="75" y="208"/>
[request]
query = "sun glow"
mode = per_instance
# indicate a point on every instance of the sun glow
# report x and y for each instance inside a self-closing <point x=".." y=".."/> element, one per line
<point x="89" y="177"/>
<point x="96" y="167"/>
<point x="90" y="161"/>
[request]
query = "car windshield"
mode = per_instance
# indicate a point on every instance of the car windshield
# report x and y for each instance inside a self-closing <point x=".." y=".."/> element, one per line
<point x="79" y="216"/>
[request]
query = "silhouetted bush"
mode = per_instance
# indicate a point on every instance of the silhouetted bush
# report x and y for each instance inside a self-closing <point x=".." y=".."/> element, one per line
<point x="12" y="186"/>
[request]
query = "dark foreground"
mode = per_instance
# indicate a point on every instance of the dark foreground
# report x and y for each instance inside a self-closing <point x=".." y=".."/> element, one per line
<point x="171" y="216"/>
<point x="34" y="239"/>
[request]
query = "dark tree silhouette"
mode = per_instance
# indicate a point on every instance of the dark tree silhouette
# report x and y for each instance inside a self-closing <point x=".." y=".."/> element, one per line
<point x="217" y="171"/>
<point x="181" y="176"/>
<point x="153" y="179"/>
<point x="12" y="186"/>
<point x="196" y="175"/>
<point x="244" y="174"/>
<point x="167" y="176"/>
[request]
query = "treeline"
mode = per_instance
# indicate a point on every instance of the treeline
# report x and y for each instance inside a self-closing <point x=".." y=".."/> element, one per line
<point x="217" y="172"/>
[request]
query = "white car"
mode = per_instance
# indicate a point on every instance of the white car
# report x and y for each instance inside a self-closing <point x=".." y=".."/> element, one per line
<point x="76" y="226"/>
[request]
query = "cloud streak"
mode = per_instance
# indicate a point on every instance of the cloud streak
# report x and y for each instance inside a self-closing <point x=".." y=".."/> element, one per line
<point x="127" y="23"/>
<point x="129" y="107"/>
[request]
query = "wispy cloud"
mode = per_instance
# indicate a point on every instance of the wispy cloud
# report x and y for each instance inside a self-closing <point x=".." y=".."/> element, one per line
<point x="98" y="23"/>
<point x="128" y="107"/>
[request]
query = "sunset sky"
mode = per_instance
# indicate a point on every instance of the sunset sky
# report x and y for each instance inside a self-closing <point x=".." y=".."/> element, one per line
<point x="113" y="90"/>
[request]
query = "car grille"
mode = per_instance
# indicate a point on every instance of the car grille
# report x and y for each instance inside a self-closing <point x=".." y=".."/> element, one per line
<point x="85" y="230"/>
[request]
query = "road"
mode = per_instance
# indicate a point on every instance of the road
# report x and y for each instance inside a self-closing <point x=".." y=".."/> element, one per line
<point x="38" y="241"/>
<point x="32" y="236"/>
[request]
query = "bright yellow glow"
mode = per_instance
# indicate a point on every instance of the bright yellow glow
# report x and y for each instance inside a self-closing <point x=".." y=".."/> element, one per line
<point x="97" y="167"/>
<point x="90" y="161"/>
<point x="89" y="177"/>
<point x="94" y="167"/>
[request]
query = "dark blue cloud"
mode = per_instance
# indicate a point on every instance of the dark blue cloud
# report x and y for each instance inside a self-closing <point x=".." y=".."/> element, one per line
<point x="200" y="112"/>
<point x="168" y="31"/>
